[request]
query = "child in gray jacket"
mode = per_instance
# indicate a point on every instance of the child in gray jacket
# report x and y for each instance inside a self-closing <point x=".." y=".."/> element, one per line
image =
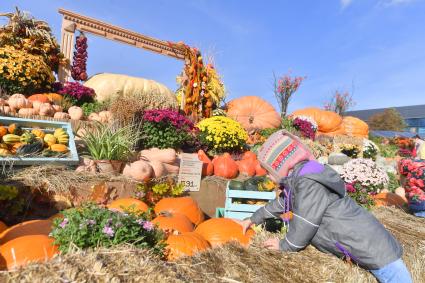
<point x="322" y="213"/>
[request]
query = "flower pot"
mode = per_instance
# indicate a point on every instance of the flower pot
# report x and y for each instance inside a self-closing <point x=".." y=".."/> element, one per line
<point x="117" y="165"/>
<point x="105" y="166"/>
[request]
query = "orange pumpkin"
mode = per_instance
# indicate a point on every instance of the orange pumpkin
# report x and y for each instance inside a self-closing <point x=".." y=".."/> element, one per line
<point x="355" y="127"/>
<point x="225" y="166"/>
<point x="128" y="204"/>
<point x="389" y="199"/>
<point x="167" y="221"/>
<point x="3" y="226"/>
<point x="247" y="167"/>
<point x="253" y="112"/>
<point x="249" y="155"/>
<point x="186" y="244"/>
<point x="259" y="170"/>
<point x="26" y="249"/>
<point x="32" y="227"/>
<point x="327" y="121"/>
<point x="39" y="97"/>
<point x="54" y="98"/>
<point x="207" y="166"/>
<point x="218" y="231"/>
<point x="184" y="205"/>
<point x="3" y="131"/>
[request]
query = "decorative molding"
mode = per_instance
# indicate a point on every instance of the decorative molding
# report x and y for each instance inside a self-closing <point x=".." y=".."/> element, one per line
<point x="116" y="33"/>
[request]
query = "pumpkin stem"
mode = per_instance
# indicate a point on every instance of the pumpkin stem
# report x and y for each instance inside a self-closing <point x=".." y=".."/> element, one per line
<point x="251" y="119"/>
<point x="165" y="213"/>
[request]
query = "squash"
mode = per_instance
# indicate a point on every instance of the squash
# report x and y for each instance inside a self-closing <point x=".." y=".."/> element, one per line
<point x="355" y="127"/>
<point x="61" y="115"/>
<point x="3" y="131"/>
<point x="14" y="147"/>
<point x="61" y="136"/>
<point x="167" y="155"/>
<point x="36" y="106"/>
<point x="57" y="108"/>
<point x="39" y="97"/>
<point x="129" y="204"/>
<point x="59" y="148"/>
<point x="158" y="168"/>
<point x="3" y="102"/>
<point x="49" y="139"/>
<point x="259" y="170"/>
<point x="27" y="249"/>
<point x="27" y="137"/>
<point x="11" y="139"/>
<point x="75" y="112"/>
<point x="38" y="133"/>
<point x="105" y="116"/>
<point x="14" y="129"/>
<point x="54" y="98"/>
<point x="5" y="152"/>
<point x="225" y="166"/>
<point x="186" y="244"/>
<point x="3" y="146"/>
<point x="33" y="148"/>
<point x="138" y="170"/>
<point x="254" y="113"/>
<point x="173" y="222"/>
<point x="218" y="231"/>
<point x="32" y="227"/>
<point x="389" y="199"/>
<point x="246" y="166"/>
<point x="46" y="109"/>
<point x="112" y="86"/>
<point x="236" y="185"/>
<point x="6" y="110"/>
<point x="207" y="165"/>
<point x="184" y="205"/>
<point x="3" y="227"/>
<point x="327" y="121"/>
<point x="249" y="155"/>
<point x="27" y="112"/>
<point x="18" y="101"/>
<point x="171" y="168"/>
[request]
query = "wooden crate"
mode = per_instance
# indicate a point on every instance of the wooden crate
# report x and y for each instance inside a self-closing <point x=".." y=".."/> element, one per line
<point x="50" y="127"/>
<point x="242" y="211"/>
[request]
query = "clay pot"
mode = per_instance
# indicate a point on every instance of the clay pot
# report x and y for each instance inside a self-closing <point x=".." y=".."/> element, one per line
<point x="117" y="165"/>
<point x="105" y="166"/>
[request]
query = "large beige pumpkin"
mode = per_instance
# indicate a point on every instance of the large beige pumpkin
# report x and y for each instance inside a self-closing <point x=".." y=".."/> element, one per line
<point x="109" y="86"/>
<point x="253" y="112"/>
<point x="355" y="127"/>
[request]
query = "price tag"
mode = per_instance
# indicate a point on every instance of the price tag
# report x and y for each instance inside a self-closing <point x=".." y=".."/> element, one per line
<point x="190" y="172"/>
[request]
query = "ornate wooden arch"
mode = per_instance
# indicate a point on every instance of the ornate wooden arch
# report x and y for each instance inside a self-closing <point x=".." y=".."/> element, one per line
<point x="72" y="22"/>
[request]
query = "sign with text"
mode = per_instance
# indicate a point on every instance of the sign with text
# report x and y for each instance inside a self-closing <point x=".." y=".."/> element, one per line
<point x="190" y="172"/>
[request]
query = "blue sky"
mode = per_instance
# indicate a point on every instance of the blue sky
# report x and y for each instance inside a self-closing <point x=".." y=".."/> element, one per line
<point x="374" y="47"/>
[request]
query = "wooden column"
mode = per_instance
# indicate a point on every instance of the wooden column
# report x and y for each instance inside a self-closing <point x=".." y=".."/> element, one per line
<point x="67" y="46"/>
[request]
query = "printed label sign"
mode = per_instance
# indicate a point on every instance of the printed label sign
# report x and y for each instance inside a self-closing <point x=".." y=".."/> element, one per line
<point x="190" y="172"/>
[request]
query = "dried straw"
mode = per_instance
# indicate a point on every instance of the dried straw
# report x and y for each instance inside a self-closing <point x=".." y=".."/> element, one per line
<point x="230" y="263"/>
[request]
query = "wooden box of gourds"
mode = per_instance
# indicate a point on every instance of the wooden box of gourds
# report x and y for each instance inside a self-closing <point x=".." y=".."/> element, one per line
<point x="60" y="148"/>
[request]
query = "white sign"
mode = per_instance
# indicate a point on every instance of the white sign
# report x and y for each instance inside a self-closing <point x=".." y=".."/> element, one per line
<point x="190" y="172"/>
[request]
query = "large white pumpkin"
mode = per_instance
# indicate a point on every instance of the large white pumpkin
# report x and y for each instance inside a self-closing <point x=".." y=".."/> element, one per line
<point x="109" y="86"/>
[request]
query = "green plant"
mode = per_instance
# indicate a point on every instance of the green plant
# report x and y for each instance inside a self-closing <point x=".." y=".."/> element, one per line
<point x="11" y="202"/>
<point x="350" y="150"/>
<point x="393" y="183"/>
<point x="109" y="141"/>
<point x="388" y="120"/>
<point x="360" y="194"/>
<point x="287" y="124"/>
<point x="91" y="226"/>
<point x="388" y="150"/>
<point x="268" y="132"/>
<point x="152" y="193"/>
<point x="370" y="150"/>
<point x="91" y="107"/>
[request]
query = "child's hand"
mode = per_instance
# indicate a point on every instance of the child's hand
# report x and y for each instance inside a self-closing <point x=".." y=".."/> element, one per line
<point x="244" y="223"/>
<point x="272" y="243"/>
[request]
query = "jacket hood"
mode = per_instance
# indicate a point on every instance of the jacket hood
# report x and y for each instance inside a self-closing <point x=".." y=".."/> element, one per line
<point x="324" y="175"/>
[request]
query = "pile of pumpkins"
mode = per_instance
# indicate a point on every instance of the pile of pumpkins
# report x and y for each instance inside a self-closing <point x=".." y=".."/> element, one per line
<point x="180" y="218"/>
<point x="49" y="105"/>
<point x="15" y="141"/>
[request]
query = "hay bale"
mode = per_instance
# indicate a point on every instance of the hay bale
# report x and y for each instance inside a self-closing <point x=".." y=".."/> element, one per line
<point x="230" y="263"/>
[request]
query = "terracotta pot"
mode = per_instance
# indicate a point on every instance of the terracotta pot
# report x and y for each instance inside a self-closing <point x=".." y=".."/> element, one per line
<point x="117" y="165"/>
<point x="105" y="166"/>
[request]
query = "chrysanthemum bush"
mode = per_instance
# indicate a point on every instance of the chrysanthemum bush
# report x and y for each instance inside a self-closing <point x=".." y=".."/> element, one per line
<point x="370" y="149"/>
<point x="366" y="173"/>
<point x="165" y="128"/>
<point x="21" y="72"/>
<point x="76" y="93"/>
<point x="222" y="134"/>
<point x="91" y="226"/>
<point x="306" y="126"/>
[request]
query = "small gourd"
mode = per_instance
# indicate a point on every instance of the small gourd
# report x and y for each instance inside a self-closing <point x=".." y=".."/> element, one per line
<point x="5" y="152"/>
<point x="3" y="131"/>
<point x="11" y="139"/>
<point x="27" y="112"/>
<point x="75" y="112"/>
<point x="49" y="139"/>
<point x="39" y="133"/>
<point x="61" y="115"/>
<point x="46" y="109"/>
<point x="14" y="129"/>
<point x="59" y="148"/>
<point x="18" y="101"/>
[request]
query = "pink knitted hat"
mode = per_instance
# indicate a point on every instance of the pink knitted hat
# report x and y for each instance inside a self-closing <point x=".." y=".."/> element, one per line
<point x="281" y="152"/>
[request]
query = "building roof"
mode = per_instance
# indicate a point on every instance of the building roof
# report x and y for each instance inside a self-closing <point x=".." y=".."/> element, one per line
<point x="393" y="134"/>
<point x="407" y="112"/>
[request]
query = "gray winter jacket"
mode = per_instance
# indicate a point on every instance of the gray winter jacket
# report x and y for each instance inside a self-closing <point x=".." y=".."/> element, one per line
<point x="325" y="216"/>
